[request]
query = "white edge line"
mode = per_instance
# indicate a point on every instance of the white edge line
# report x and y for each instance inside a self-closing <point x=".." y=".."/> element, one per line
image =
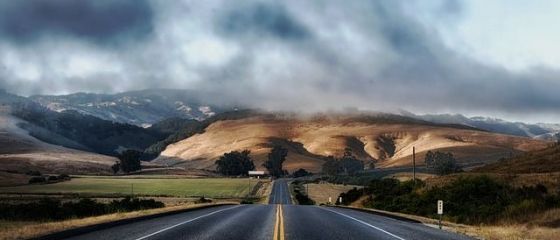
<point x="365" y="223"/>
<point x="185" y="222"/>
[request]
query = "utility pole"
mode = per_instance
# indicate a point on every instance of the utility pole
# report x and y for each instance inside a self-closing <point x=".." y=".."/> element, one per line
<point x="414" y="165"/>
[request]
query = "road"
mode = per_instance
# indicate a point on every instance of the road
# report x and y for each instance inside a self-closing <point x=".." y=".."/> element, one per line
<point x="280" y="193"/>
<point x="277" y="220"/>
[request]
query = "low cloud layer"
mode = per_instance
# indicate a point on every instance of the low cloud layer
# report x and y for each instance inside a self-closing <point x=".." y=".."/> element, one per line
<point x="287" y="55"/>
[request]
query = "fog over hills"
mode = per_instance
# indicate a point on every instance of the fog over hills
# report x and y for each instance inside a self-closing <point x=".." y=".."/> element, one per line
<point x="142" y="108"/>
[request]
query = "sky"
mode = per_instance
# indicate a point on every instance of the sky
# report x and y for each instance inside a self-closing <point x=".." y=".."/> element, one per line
<point x="497" y="58"/>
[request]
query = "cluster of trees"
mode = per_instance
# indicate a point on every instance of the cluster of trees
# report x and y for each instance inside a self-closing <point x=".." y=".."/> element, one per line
<point x="129" y="161"/>
<point x="348" y="164"/>
<point x="52" y="209"/>
<point x="235" y="163"/>
<point x="472" y="200"/>
<point x="442" y="163"/>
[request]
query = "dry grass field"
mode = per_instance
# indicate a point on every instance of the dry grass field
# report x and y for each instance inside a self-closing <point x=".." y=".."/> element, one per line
<point x="389" y="143"/>
<point x="320" y="193"/>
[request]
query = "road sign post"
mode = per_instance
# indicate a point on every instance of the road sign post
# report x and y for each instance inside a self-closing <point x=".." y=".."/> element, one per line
<point x="440" y="211"/>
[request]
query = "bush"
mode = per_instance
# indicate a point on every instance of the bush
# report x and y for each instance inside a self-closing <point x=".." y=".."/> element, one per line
<point x="64" y="177"/>
<point x="37" y="180"/>
<point x="300" y="195"/>
<point x="349" y="197"/>
<point x="49" y="209"/>
<point x="52" y="178"/>
<point x="471" y="200"/>
<point x="203" y="200"/>
<point x="247" y="201"/>
<point x="301" y="173"/>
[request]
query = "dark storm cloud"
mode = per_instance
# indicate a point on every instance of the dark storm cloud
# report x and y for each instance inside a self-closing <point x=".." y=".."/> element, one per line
<point x="100" y="21"/>
<point x="263" y="19"/>
<point x="288" y="55"/>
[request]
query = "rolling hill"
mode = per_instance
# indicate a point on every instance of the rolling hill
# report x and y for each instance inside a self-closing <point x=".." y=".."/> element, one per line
<point x="20" y="152"/>
<point x="384" y="139"/>
<point x="539" y="161"/>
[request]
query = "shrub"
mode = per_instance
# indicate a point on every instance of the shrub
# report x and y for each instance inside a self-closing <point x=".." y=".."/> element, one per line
<point x="349" y="197"/>
<point x="301" y="173"/>
<point x="471" y="200"/>
<point x="37" y="180"/>
<point x="52" y="178"/>
<point x="300" y="195"/>
<point x="203" y="200"/>
<point x="64" y="177"/>
<point x="49" y="209"/>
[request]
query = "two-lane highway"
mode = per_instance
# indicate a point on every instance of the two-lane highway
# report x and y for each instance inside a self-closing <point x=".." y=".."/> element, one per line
<point x="278" y="220"/>
<point x="280" y="193"/>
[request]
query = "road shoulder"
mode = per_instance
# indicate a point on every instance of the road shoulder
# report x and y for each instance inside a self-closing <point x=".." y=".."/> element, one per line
<point x="447" y="226"/>
<point x="73" y="227"/>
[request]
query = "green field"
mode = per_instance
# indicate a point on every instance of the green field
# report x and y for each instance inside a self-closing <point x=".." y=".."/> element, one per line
<point x="178" y="187"/>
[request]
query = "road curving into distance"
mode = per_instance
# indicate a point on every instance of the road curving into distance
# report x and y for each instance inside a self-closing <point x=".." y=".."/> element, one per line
<point x="279" y="220"/>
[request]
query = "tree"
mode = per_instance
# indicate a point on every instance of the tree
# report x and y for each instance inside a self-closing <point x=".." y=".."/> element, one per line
<point x="116" y="167"/>
<point x="276" y="158"/>
<point x="348" y="164"/>
<point x="130" y="161"/>
<point x="235" y="163"/>
<point x="301" y="173"/>
<point x="442" y="163"/>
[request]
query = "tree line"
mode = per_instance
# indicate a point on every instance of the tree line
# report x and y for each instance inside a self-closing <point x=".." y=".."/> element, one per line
<point x="237" y="163"/>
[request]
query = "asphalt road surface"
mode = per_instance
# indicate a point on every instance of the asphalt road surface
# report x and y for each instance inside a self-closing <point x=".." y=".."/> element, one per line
<point x="280" y="193"/>
<point x="277" y="220"/>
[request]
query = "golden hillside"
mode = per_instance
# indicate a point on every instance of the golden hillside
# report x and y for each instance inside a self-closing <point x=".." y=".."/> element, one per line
<point x="540" y="161"/>
<point x="384" y="141"/>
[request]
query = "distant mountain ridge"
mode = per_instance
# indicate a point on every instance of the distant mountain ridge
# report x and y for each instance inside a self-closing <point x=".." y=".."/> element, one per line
<point x="147" y="107"/>
<point x="540" y="131"/>
<point x="141" y="108"/>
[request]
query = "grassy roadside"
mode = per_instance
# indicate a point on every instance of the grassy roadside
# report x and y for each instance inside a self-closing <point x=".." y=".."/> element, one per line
<point x="510" y="231"/>
<point x="26" y="230"/>
<point x="320" y="193"/>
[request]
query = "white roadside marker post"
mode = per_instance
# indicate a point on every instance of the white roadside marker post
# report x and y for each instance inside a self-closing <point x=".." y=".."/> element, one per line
<point x="330" y="200"/>
<point x="440" y="211"/>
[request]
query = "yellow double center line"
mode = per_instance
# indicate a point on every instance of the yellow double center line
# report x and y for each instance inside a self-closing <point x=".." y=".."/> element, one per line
<point x="279" y="225"/>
